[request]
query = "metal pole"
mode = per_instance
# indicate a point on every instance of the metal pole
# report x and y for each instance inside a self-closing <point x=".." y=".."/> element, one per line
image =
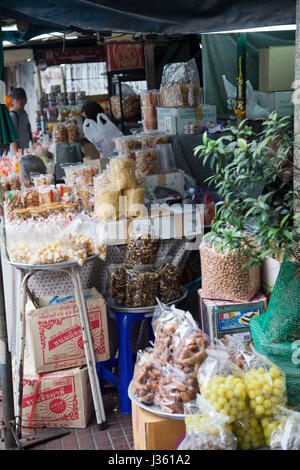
<point x="6" y="374"/>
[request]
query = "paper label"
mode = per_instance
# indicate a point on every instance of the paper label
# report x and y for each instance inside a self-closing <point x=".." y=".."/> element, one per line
<point x="229" y="321"/>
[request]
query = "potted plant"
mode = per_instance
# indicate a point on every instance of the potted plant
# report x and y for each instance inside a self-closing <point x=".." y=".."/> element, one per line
<point x="253" y="177"/>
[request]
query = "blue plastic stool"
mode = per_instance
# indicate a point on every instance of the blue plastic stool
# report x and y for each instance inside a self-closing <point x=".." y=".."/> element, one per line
<point x="124" y="362"/>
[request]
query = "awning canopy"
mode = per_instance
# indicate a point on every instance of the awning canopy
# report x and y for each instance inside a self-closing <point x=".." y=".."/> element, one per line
<point x="155" y="16"/>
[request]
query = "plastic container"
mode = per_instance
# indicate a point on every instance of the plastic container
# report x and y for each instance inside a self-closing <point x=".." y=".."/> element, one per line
<point x="147" y="168"/>
<point x="149" y="112"/>
<point x="63" y="190"/>
<point x="149" y="97"/>
<point x="149" y="124"/>
<point x="47" y="194"/>
<point x="41" y="180"/>
<point x="165" y="157"/>
<point x="145" y="155"/>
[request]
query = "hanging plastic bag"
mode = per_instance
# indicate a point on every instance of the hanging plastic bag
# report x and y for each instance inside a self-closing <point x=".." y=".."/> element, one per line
<point x="205" y="428"/>
<point x="101" y="134"/>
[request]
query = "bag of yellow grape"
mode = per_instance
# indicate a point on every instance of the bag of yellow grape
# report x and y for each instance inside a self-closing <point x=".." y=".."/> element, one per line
<point x="205" y="428"/>
<point x="269" y="424"/>
<point x="249" y="433"/>
<point x="265" y="385"/>
<point x="286" y="436"/>
<point x="221" y="383"/>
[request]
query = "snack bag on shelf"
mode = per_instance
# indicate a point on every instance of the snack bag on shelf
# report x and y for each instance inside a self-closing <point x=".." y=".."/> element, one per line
<point x="265" y="384"/>
<point x="205" y="428"/>
<point x="146" y="376"/>
<point x="174" y="389"/>
<point x="221" y="383"/>
<point x="224" y="275"/>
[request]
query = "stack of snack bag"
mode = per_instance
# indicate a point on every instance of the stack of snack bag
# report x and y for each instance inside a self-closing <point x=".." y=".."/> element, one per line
<point x="178" y="351"/>
<point x="206" y="429"/>
<point x="55" y="239"/>
<point x="139" y="280"/>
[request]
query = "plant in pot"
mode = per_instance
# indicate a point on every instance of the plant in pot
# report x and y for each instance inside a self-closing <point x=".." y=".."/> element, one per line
<point x="254" y="220"/>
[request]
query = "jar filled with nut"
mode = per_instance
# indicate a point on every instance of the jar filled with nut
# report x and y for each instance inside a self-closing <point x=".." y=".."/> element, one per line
<point x="141" y="250"/>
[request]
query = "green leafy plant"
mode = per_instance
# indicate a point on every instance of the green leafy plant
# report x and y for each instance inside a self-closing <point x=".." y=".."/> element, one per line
<point x="253" y="175"/>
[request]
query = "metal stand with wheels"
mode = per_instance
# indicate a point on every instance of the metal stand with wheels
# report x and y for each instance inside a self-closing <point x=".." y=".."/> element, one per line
<point x="73" y="270"/>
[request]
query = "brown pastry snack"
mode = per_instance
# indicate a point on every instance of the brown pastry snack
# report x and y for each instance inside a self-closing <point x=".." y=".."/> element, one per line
<point x="147" y="373"/>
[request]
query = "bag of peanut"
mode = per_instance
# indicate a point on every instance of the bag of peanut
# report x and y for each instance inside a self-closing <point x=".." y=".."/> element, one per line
<point x="225" y="276"/>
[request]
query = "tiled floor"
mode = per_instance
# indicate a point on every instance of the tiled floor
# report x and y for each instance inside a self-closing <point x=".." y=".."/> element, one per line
<point x="118" y="435"/>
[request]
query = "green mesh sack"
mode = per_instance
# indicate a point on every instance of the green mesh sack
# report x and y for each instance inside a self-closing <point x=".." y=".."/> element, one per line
<point x="276" y="333"/>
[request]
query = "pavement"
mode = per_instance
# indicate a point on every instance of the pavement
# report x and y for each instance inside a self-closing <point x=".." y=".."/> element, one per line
<point x="117" y="436"/>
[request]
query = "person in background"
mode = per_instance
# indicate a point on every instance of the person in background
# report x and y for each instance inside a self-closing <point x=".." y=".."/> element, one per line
<point x="30" y="164"/>
<point x="20" y="119"/>
<point x="91" y="110"/>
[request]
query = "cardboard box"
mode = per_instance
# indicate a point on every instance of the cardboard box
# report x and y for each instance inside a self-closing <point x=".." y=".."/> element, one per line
<point x="151" y="432"/>
<point x="280" y="101"/>
<point x="57" y="399"/>
<point x="276" y="68"/>
<point x="54" y="333"/>
<point x="173" y="120"/>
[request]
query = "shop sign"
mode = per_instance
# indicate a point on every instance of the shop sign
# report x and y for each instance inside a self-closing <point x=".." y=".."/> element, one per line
<point x="71" y="55"/>
<point x="124" y="56"/>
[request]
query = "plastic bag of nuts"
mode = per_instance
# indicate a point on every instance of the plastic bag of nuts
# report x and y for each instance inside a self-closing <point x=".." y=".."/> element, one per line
<point x="131" y="106"/>
<point x="189" y="347"/>
<point x="30" y="197"/>
<point x="224" y="275"/>
<point x="175" y="388"/>
<point x="141" y="287"/>
<point x="147" y="168"/>
<point x="60" y="134"/>
<point x="146" y="376"/>
<point x="142" y="250"/>
<point x="145" y="155"/>
<point x="73" y="133"/>
<point x="13" y="201"/>
<point x="169" y="285"/>
<point x="205" y="428"/>
<point x="117" y="278"/>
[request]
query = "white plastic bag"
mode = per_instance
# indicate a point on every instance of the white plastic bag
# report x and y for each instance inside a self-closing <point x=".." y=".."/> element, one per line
<point x="101" y="134"/>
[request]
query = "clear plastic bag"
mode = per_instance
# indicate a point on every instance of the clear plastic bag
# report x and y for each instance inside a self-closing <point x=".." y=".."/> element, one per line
<point x="224" y="275"/>
<point x="249" y="433"/>
<point x="287" y="434"/>
<point x="107" y="203"/>
<point x="60" y="134"/>
<point x="134" y="202"/>
<point x="47" y="195"/>
<point x="190" y="345"/>
<point x="122" y="173"/>
<point x="174" y="389"/>
<point x="141" y="249"/>
<point x="221" y="383"/>
<point x="146" y="376"/>
<point x="205" y="428"/>
<point x="169" y="284"/>
<point x="165" y="322"/>
<point x="103" y="179"/>
<point x="149" y="98"/>
<point x="42" y="180"/>
<point x="141" y="286"/>
<point x="117" y="279"/>
<point x="180" y="85"/>
<point x="265" y="385"/>
<point x="13" y="201"/>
